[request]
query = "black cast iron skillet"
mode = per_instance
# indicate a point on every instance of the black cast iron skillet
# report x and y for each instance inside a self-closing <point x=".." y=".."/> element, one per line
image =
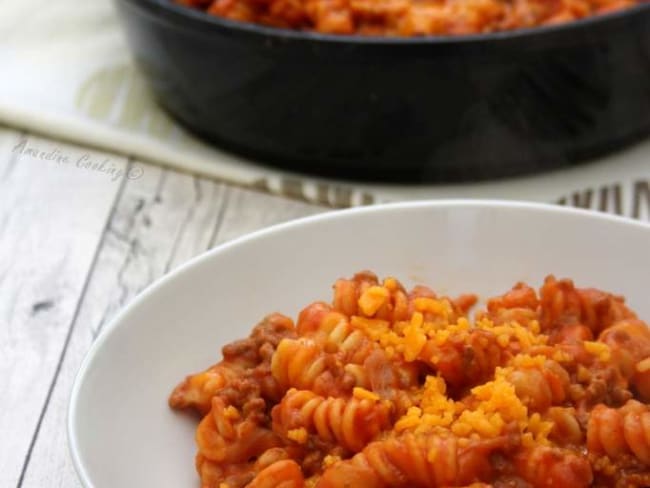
<point x="419" y="109"/>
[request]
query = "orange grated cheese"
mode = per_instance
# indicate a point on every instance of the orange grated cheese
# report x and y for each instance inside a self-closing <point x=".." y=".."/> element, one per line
<point x="298" y="435"/>
<point x="561" y="356"/>
<point x="391" y="284"/>
<point x="534" y="327"/>
<point x="432" y="455"/>
<point x="434" y="306"/>
<point x="363" y="394"/>
<point x="503" y="339"/>
<point x="461" y="429"/>
<point x="643" y="366"/>
<point x="599" y="349"/>
<point x="414" y="337"/>
<point x="584" y="375"/>
<point x="231" y="413"/>
<point x="329" y="460"/>
<point x="527" y="361"/>
<point x="373" y="299"/>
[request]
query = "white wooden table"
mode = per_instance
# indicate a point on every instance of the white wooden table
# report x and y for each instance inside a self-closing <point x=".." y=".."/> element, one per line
<point x="81" y="233"/>
<point x="76" y="244"/>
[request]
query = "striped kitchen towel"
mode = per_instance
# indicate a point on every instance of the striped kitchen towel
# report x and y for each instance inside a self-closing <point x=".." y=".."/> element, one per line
<point x="66" y="72"/>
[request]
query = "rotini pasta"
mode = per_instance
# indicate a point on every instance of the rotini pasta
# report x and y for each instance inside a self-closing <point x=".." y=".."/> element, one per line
<point x="281" y="474"/>
<point x="333" y="332"/>
<point x="385" y="387"/>
<point x="562" y="303"/>
<point x="547" y="467"/>
<point x="349" y="422"/>
<point x="629" y="341"/>
<point x="222" y="436"/>
<point x="567" y="430"/>
<point x="417" y="461"/>
<point x="465" y="360"/>
<point x="619" y="431"/>
<point x="539" y="384"/>
<point x="302" y="363"/>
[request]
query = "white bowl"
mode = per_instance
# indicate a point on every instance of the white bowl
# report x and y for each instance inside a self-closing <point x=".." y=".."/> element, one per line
<point x="122" y="434"/>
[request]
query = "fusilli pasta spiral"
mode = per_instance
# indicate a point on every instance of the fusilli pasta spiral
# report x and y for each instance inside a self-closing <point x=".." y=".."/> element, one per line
<point x="417" y="461"/>
<point x="351" y="422"/>
<point x="619" y="431"/>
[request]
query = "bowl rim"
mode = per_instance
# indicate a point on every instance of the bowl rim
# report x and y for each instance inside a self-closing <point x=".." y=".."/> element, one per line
<point x="194" y="18"/>
<point x="118" y="320"/>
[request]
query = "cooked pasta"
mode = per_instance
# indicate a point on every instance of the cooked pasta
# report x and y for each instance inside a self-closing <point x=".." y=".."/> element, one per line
<point x="540" y="383"/>
<point x="351" y="423"/>
<point x="620" y="431"/>
<point x="407" y="17"/>
<point x="385" y="387"/>
<point x="417" y="461"/>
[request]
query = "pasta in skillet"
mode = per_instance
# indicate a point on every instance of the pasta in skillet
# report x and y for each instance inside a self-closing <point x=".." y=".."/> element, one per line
<point x="385" y="387"/>
<point x="408" y="18"/>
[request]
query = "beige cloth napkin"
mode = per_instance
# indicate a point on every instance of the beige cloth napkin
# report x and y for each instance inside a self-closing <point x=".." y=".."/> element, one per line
<point x="66" y="72"/>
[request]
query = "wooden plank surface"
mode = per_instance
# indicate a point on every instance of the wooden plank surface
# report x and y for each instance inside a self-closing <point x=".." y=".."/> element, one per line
<point x="53" y="208"/>
<point x="248" y="211"/>
<point x="160" y="221"/>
